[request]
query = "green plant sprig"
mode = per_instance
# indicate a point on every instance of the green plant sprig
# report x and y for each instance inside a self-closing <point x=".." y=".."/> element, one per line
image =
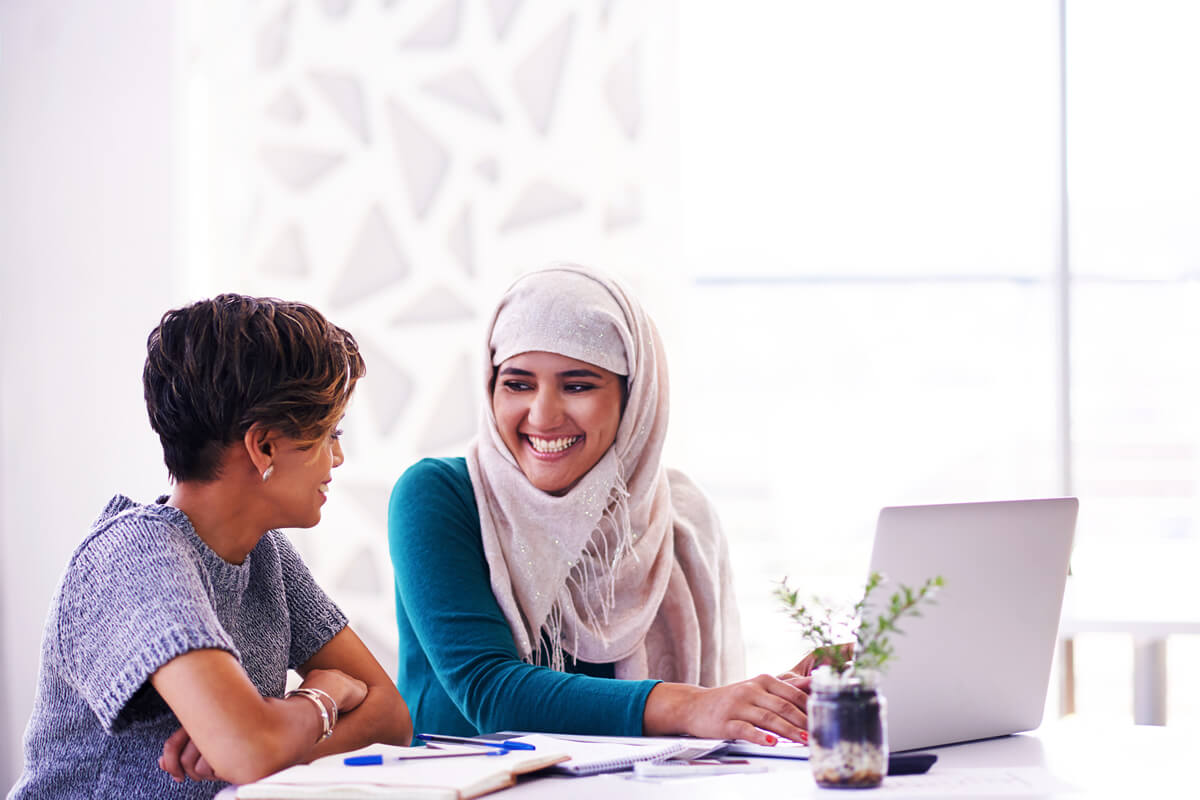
<point x="873" y="648"/>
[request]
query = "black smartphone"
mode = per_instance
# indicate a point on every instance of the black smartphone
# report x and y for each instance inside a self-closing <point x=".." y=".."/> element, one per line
<point x="910" y="763"/>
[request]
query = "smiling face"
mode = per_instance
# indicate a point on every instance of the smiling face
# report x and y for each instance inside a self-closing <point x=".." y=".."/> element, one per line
<point x="300" y="478"/>
<point x="557" y="416"/>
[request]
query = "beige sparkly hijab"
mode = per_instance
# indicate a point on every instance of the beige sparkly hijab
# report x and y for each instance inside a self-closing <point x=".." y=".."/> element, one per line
<point x="629" y="566"/>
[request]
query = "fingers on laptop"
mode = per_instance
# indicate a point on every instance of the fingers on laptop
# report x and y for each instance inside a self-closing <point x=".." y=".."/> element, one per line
<point x="801" y="682"/>
<point x="769" y="708"/>
<point x="804" y="666"/>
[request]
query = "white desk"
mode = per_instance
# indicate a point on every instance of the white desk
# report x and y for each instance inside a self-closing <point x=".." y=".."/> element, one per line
<point x="1073" y="760"/>
<point x="1078" y="760"/>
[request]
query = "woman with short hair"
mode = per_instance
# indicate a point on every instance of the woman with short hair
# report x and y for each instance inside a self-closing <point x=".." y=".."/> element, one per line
<point x="169" y="638"/>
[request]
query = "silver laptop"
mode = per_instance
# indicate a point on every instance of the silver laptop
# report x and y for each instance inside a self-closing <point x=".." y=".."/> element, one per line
<point x="976" y="664"/>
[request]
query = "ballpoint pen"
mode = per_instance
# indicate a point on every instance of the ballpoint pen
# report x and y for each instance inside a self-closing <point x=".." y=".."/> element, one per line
<point x="502" y="744"/>
<point x="377" y="759"/>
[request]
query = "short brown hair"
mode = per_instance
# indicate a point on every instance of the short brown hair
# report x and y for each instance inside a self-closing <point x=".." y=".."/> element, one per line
<point x="217" y="367"/>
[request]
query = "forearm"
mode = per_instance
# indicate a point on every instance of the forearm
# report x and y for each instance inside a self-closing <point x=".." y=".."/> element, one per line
<point x="509" y="694"/>
<point x="276" y="735"/>
<point x="667" y="707"/>
<point x="381" y="717"/>
<point x="757" y="709"/>
<point x="239" y="733"/>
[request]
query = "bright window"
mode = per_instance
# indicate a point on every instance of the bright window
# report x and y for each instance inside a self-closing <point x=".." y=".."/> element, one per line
<point x="872" y="216"/>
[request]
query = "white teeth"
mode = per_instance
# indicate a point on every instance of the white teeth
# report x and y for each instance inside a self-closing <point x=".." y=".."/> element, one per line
<point x="553" y="445"/>
<point x="323" y="488"/>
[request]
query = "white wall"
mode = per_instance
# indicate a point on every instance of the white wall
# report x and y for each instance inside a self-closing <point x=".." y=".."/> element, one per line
<point x="85" y="251"/>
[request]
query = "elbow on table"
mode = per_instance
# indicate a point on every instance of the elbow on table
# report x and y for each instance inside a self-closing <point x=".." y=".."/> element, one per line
<point x="382" y="717"/>
<point x="397" y="727"/>
<point x="247" y="773"/>
<point x="255" y="755"/>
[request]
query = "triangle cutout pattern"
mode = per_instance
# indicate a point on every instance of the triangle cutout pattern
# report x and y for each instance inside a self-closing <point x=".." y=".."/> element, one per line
<point x="345" y="94"/>
<point x="286" y="108"/>
<point x="621" y="90"/>
<point x="423" y="159"/>
<point x="286" y="257"/>
<point x="439" y="29"/>
<point x="461" y="242"/>
<point x="272" y="43"/>
<point x="537" y="77"/>
<point x="438" y="304"/>
<point x="502" y="12"/>
<point x="298" y="168"/>
<point x="375" y="262"/>
<point x="539" y="202"/>
<point x="390" y="389"/>
<point x="453" y="422"/>
<point x="336" y="8"/>
<point x="464" y="90"/>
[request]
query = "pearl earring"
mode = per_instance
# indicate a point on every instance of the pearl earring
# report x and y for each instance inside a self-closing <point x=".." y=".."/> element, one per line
<point x="268" y="472"/>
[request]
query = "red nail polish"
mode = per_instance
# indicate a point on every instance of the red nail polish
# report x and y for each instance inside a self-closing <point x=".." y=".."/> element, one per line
<point x="804" y="737"/>
<point x="771" y="739"/>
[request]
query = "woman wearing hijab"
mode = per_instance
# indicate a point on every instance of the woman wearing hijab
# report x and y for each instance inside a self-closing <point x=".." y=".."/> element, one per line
<point x="560" y="578"/>
<point x="170" y="635"/>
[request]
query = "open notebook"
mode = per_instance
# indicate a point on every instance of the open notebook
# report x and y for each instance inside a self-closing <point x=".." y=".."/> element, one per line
<point x="594" y="755"/>
<point x="407" y="773"/>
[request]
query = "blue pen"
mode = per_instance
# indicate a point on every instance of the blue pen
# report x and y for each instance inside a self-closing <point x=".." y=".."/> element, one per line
<point x="363" y="761"/>
<point x="502" y="744"/>
<point x="377" y="759"/>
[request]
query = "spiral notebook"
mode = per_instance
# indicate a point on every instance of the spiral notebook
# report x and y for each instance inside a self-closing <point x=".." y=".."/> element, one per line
<point x="614" y="753"/>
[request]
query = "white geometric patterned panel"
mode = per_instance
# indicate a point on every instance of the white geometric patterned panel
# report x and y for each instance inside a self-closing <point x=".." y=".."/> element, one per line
<point x="502" y="12"/>
<point x="439" y="28"/>
<point x="286" y="257"/>
<point x="336" y="8"/>
<point x="455" y="419"/>
<point x="621" y="89"/>
<point x="344" y="93"/>
<point x="460" y="240"/>
<point x="438" y="304"/>
<point x="489" y="169"/>
<point x="462" y="88"/>
<point x="539" y="202"/>
<point x="423" y="159"/>
<point x="272" y="37"/>
<point x="396" y="164"/>
<point x="538" y="75"/>
<point x="299" y="168"/>
<point x="286" y="108"/>
<point x="389" y="390"/>
<point x="375" y="261"/>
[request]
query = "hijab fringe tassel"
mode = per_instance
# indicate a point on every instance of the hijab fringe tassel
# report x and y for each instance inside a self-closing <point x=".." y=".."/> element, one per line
<point x="597" y="567"/>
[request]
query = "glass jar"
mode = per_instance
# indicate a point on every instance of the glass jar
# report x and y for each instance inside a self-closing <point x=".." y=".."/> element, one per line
<point x="847" y="730"/>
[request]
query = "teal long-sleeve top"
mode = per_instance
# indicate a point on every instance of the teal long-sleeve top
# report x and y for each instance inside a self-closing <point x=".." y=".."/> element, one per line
<point x="459" y="670"/>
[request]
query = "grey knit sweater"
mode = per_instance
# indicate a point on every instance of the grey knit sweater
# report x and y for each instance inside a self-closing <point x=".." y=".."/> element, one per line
<point x="140" y="590"/>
